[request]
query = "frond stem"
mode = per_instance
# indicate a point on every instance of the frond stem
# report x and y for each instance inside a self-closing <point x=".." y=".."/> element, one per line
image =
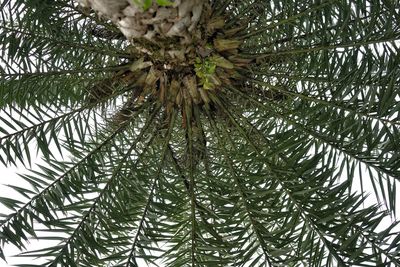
<point x="288" y="20"/>
<point x="65" y="174"/>
<point x="87" y="47"/>
<point x="108" y="184"/>
<point x="315" y="135"/>
<point x="355" y="44"/>
<point x="63" y="72"/>
<point x="239" y="187"/>
<point x="333" y="104"/>
<point x="152" y="190"/>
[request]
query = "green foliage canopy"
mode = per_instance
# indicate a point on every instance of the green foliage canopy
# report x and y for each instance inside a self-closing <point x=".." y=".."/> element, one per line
<point x="265" y="178"/>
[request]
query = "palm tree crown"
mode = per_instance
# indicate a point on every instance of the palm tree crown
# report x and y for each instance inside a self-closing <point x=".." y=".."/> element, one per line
<point x="202" y="133"/>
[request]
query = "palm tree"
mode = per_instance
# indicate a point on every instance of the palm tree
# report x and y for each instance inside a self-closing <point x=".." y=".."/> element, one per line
<point x="202" y="133"/>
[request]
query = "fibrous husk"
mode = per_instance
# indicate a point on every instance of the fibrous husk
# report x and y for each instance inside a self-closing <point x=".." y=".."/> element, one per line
<point x="215" y="23"/>
<point x="222" y="62"/>
<point x="100" y="90"/>
<point x="204" y="95"/>
<point x="152" y="77"/>
<point x="141" y="79"/>
<point x="190" y="84"/>
<point x="173" y="91"/>
<point x="240" y="61"/>
<point x="177" y="54"/>
<point x="214" y="79"/>
<point x="167" y="43"/>
<point x="128" y="78"/>
<point x="140" y="64"/>
<point x="226" y="44"/>
<point x="163" y="88"/>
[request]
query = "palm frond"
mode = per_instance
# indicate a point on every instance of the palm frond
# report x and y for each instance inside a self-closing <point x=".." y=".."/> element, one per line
<point x="202" y="133"/>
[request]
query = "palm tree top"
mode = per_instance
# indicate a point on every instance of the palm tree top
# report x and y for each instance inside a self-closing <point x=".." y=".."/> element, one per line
<point x="201" y="133"/>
